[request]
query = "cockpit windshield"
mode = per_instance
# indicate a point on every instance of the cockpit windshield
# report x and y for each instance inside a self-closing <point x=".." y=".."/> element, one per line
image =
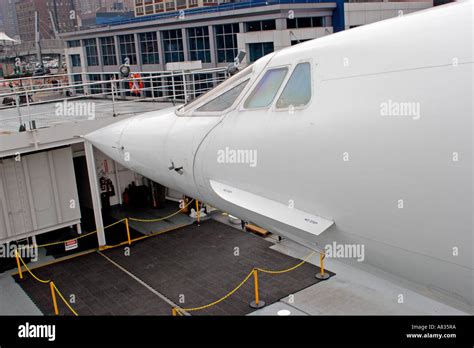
<point x="216" y="93"/>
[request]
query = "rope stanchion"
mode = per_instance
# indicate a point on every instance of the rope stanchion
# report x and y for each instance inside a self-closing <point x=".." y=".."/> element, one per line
<point x="198" y="212"/>
<point x="53" y="296"/>
<point x="257" y="303"/>
<point x="322" y="275"/>
<point x="31" y="273"/>
<point x="20" y="273"/>
<point x="64" y="300"/>
<point x="128" y="231"/>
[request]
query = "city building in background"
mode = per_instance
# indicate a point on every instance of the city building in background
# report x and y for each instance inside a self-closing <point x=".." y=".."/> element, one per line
<point x="8" y="21"/>
<point x="54" y="16"/>
<point x="212" y="36"/>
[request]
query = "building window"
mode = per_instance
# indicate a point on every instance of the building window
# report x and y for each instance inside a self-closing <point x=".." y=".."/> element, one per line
<point x="199" y="48"/>
<point x="297" y="91"/>
<point x="75" y="60"/>
<point x="127" y="49"/>
<point x="149" y="48"/>
<point x="170" y="5"/>
<point x="305" y="22"/>
<point x="91" y="52"/>
<point x="181" y="4"/>
<point x="265" y="91"/>
<point x="258" y="50"/>
<point x="107" y="87"/>
<point x="226" y="42"/>
<point x="260" y="25"/>
<point x="96" y="88"/>
<point x="202" y="84"/>
<point x="78" y="82"/>
<point x="107" y="46"/>
<point x="74" y="43"/>
<point x="173" y="45"/>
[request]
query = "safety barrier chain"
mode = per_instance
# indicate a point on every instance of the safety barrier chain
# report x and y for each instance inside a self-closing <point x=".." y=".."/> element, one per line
<point x="178" y="311"/>
<point x="125" y="220"/>
<point x="175" y="310"/>
<point x="53" y="287"/>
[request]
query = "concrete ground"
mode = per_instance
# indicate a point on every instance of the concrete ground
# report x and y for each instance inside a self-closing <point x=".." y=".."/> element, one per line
<point x="354" y="291"/>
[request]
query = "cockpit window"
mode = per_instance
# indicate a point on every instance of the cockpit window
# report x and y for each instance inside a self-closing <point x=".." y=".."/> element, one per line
<point x="266" y="89"/>
<point x="297" y="91"/>
<point x="225" y="100"/>
<point x="210" y="94"/>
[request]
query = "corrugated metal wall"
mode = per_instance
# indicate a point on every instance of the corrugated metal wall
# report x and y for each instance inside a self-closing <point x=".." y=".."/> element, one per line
<point x="38" y="193"/>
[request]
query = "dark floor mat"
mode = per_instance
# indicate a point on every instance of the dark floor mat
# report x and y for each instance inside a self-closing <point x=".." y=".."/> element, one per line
<point x="194" y="264"/>
<point x="197" y="264"/>
<point x="99" y="288"/>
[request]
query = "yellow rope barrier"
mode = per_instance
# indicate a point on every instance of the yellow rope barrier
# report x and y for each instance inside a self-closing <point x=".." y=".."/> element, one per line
<point x="78" y="237"/>
<point x="64" y="300"/>
<point x="222" y="298"/>
<point x="163" y="218"/>
<point x="176" y="310"/>
<point x="288" y="269"/>
<point x="31" y="273"/>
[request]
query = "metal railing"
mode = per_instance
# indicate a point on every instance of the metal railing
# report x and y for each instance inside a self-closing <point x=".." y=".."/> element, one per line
<point x="37" y="102"/>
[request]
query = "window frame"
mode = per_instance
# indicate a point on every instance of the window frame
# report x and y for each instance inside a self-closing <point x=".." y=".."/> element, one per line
<point x="288" y="68"/>
<point x="293" y="67"/>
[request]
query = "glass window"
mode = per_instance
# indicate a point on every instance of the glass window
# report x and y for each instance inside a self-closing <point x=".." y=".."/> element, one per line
<point x="260" y="49"/>
<point x="297" y="91"/>
<point x="266" y="89"/>
<point x="75" y="60"/>
<point x="225" y="100"/>
<point x="173" y="45"/>
<point x="74" y="43"/>
<point x="95" y="88"/>
<point x="78" y="82"/>
<point x="149" y="48"/>
<point x="127" y="48"/>
<point x="91" y="52"/>
<point x="226" y="42"/>
<point x="199" y="48"/>
<point x="107" y="46"/>
<point x="261" y="25"/>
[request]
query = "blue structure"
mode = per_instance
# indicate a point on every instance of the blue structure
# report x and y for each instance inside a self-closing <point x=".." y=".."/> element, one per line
<point x="337" y="18"/>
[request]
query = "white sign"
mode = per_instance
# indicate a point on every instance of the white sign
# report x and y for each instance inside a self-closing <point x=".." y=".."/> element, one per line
<point x="71" y="244"/>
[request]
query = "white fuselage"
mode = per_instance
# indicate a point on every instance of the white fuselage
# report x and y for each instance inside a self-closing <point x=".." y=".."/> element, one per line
<point x="383" y="150"/>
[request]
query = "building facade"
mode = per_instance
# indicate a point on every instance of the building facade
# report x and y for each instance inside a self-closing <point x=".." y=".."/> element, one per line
<point x="8" y="21"/>
<point x="212" y="36"/>
<point x="53" y="15"/>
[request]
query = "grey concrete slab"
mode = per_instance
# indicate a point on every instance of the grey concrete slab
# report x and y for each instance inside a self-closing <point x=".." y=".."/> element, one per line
<point x="361" y="291"/>
<point x="13" y="300"/>
<point x="279" y="309"/>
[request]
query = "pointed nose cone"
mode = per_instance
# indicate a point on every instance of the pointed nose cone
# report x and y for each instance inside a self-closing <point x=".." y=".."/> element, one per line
<point x="108" y="139"/>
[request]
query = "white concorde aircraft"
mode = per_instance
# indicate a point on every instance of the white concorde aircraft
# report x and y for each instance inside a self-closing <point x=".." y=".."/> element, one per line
<point x="362" y="137"/>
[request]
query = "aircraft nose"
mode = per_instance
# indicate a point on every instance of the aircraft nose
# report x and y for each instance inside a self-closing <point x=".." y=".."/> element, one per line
<point x="108" y="139"/>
